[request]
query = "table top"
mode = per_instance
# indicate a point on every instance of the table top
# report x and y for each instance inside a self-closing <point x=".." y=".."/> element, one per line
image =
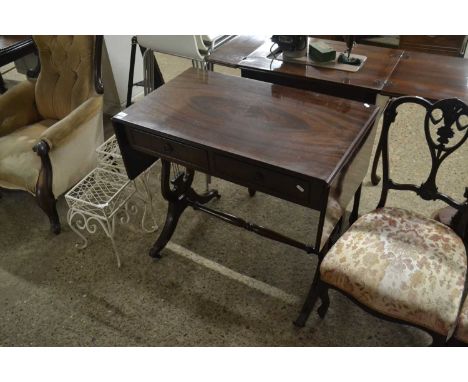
<point x="15" y="47"/>
<point x="235" y="50"/>
<point x="413" y="73"/>
<point x="298" y="131"/>
<point x="9" y="40"/>
<point x="429" y="76"/>
<point x="375" y="72"/>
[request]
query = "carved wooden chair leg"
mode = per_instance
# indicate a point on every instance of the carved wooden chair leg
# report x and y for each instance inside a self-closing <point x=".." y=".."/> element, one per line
<point x="252" y="191"/>
<point x="47" y="203"/>
<point x="355" y="212"/>
<point x="375" y="179"/>
<point x="44" y="194"/>
<point x="323" y="293"/>
<point x="438" y="340"/>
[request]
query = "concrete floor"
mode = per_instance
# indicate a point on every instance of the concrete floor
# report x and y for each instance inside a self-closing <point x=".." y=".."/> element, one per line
<point x="215" y="285"/>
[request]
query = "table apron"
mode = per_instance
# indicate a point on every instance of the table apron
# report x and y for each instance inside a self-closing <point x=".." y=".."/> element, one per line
<point x="308" y="192"/>
<point x="354" y="93"/>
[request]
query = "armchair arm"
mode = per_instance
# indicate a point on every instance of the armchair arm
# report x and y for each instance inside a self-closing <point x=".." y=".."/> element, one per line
<point x="18" y="107"/>
<point x="60" y="131"/>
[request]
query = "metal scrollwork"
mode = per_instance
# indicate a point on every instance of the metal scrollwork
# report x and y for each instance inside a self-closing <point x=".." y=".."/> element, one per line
<point x="88" y="223"/>
<point x="106" y="195"/>
<point x="143" y="192"/>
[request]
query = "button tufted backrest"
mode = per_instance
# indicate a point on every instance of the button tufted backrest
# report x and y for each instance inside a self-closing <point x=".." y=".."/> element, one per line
<point x="66" y="77"/>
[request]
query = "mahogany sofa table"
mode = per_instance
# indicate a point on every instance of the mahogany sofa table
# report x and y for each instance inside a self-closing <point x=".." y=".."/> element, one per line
<point x="303" y="147"/>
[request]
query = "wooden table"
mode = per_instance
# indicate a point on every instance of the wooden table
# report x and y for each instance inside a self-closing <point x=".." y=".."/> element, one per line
<point x="303" y="147"/>
<point x="363" y="85"/>
<point x="429" y="76"/>
<point x="234" y="51"/>
<point x="13" y="48"/>
<point x="391" y="72"/>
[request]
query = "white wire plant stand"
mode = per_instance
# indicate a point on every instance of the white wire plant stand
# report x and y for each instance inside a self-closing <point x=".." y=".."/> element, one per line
<point x="106" y="195"/>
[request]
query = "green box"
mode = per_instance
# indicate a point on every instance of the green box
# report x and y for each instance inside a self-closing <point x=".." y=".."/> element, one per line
<point x="321" y="52"/>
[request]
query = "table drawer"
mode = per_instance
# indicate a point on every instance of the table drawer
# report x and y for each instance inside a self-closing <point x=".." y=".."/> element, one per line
<point x="169" y="149"/>
<point x="286" y="186"/>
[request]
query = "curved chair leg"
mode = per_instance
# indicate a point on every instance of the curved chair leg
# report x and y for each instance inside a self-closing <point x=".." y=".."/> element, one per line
<point x="47" y="204"/>
<point x="323" y="293"/>
<point x="44" y="194"/>
<point x="438" y="340"/>
<point x="355" y="212"/>
<point x="251" y="191"/>
<point x="375" y="179"/>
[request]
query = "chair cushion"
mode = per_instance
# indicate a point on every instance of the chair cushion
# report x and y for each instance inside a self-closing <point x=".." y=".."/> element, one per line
<point x="19" y="164"/>
<point x="402" y="265"/>
<point x="462" y="329"/>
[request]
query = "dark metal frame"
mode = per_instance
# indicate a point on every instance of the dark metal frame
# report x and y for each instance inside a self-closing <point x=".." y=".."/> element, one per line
<point x="451" y="110"/>
<point x="44" y="194"/>
<point x="158" y="78"/>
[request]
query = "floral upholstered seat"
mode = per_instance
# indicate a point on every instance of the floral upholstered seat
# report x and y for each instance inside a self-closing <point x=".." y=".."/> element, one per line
<point x="462" y="329"/>
<point x="402" y="265"/>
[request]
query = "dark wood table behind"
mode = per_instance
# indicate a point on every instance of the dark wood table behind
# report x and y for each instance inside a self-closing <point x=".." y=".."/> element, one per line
<point x="13" y="47"/>
<point x="234" y="51"/>
<point x="363" y="85"/>
<point x="414" y="73"/>
<point x="430" y="76"/>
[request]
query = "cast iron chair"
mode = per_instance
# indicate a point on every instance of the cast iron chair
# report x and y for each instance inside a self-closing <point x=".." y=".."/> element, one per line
<point x="397" y="264"/>
<point x="59" y="117"/>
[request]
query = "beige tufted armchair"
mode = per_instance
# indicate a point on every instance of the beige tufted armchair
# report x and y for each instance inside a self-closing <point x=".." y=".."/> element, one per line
<point x="50" y="128"/>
